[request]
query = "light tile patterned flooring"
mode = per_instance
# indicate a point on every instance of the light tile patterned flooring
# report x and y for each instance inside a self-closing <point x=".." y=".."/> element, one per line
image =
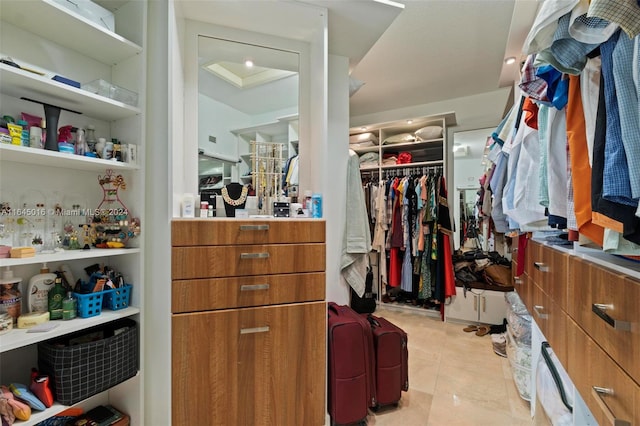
<point x="455" y="378"/>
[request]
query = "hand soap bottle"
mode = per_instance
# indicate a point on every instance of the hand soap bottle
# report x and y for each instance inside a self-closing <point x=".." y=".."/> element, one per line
<point x="38" y="290"/>
<point x="56" y="294"/>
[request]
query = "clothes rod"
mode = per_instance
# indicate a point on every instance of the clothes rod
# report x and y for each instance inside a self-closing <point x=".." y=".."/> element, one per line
<point x="218" y="156"/>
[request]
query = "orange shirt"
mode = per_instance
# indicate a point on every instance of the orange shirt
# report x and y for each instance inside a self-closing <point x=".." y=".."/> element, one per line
<point x="580" y="168"/>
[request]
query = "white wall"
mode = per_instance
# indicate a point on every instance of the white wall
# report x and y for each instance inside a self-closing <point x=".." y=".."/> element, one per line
<point x="162" y="49"/>
<point x="334" y="175"/>
<point x="217" y="119"/>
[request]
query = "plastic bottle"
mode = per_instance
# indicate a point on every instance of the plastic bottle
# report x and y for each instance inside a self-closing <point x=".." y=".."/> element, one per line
<point x="81" y="142"/>
<point x="316" y="205"/>
<point x="56" y="294"/>
<point x="99" y="147"/>
<point x="107" y="153"/>
<point x="306" y="203"/>
<point x="35" y="137"/>
<point x="38" y="290"/>
<point x="10" y="296"/>
<point x="69" y="307"/>
<point x="91" y="138"/>
<point x="188" y="208"/>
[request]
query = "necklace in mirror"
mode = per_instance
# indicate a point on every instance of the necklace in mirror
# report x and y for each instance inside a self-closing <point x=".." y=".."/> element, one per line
<point x="237" y="202"/>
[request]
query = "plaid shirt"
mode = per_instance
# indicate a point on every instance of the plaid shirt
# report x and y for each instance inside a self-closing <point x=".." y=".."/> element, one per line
<point x="625" y="13"/>
<point x="615" y="182"/>
<point x="530" y="83"/>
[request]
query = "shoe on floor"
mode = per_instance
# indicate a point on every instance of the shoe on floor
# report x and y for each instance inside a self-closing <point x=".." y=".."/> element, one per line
<point x="499" y="343"/>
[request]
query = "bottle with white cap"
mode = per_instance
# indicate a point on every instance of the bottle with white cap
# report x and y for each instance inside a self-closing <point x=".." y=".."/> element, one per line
<point x="10" y="296"/>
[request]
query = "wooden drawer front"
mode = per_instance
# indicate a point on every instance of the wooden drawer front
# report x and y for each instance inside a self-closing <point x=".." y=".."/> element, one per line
<point x="522" y="286"/>
<point x="590" y="366"/>
<point x="252" y="366"/>
<point x="233" y="261"/>
<point x="553" y="271"/>
<point x="614" y="326"/>
<point x="214" y="232"/>
<point x="557" y="331"/>
<point x="533" y="255"/>
<point x="541" y="309"/>
<point x="222" y="293"/>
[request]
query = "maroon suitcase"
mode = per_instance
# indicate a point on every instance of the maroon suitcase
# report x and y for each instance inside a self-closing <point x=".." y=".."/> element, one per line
<point x="392" y="356"/>
<point x="351" y="360"/>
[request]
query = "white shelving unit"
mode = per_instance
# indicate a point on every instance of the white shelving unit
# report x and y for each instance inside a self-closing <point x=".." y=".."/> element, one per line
<point x="426" y="155"/>
<point x="283" y="130"/>
<point x="48" y="37"/>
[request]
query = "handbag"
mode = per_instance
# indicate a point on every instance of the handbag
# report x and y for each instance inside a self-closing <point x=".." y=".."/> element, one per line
<point x="367" y="303"/>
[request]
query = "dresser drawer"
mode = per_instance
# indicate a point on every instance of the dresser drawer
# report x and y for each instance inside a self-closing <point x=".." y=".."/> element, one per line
<point x="233" y="261"/>
<point x="605" y="304"/>
<point x="548" y="268"/>
<point x="618" y="396"/>
<point x="214" y="232"/>
<point x="252" y="366"/>
<point x="237" y="292"/>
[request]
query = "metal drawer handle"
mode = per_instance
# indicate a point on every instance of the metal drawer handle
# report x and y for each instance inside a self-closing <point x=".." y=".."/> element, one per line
<point x="254" y="330"/>
<point x="263" y="255"/>
<point x="254" y="227"/>
<point x="597" y="393"/>
<point x="475" y="303"/>
<point x="541" y="266"/>
<point x="254" y="287"/>
<point x="537" y="309"/>
<point x="517" y="280"/>
<point x="600" y="310"/>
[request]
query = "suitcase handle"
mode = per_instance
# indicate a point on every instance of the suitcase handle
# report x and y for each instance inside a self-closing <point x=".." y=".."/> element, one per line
<point x="374" y="322"/>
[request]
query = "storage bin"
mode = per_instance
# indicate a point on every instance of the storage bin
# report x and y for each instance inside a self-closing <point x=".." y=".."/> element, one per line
<point x="90" y="304"/>
<point x="520" y="359"/>
<point x="518" y="318"/>
<point x="80" y="371"/>
<point x="111" y="91"/>
<point x="117" y="298"/>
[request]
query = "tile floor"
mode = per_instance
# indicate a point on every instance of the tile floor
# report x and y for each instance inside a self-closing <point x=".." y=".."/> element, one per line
<point x="455" y="378"/>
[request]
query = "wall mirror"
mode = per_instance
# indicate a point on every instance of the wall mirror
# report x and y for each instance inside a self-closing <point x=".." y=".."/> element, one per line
<point x="246" y="93"/>
<point x="469" y="164"/>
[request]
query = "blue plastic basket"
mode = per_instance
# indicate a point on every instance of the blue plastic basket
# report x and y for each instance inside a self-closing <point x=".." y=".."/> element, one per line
<point x="117" y="298"/>
<point x="89" y="305"/>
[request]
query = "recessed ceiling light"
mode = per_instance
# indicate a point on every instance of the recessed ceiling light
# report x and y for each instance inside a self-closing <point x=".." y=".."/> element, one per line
<point x="249" y="63"/>
<point x="510" y="60"/>
<point x="409" y="121"/>
<point x="363" y="128"/>
<point x="391" y="3"/>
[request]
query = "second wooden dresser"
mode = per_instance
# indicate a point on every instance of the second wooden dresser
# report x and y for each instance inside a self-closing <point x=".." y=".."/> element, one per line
<point x="248" y="323"/>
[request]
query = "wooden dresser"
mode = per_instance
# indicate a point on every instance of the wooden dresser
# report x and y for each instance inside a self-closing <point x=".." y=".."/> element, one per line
<point x="248" y="322"/>
<point x="589" y="314"/>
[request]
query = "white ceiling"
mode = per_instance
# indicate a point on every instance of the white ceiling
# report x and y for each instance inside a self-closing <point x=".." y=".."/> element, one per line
<point x="431" y="50"/>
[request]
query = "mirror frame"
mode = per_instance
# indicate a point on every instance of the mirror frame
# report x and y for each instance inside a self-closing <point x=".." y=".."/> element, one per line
<point x="188" y="150"/>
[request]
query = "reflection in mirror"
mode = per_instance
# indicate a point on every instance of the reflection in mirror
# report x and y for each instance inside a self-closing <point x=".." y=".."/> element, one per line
<point x="247" y="95"/>
<point x="468" y="166"/>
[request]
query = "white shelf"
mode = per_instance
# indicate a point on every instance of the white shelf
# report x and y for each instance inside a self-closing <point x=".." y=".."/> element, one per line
<point x="411" y="146"/>
<point x="19" y="83"/>
<point x="246" y="178"/>
<point x="68" y="255"/>
<point x="365" y="149"/>
<point x="18" y="338"/>
<point x="56" y="408"/>
<point x="407" y="165"/>
<point x="70" y="30"/>
<point x="46" y="158"/>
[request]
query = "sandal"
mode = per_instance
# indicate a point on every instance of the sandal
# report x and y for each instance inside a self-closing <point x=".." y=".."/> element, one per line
<point x="470" y="328"/>
<point x="483" y="330"/>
